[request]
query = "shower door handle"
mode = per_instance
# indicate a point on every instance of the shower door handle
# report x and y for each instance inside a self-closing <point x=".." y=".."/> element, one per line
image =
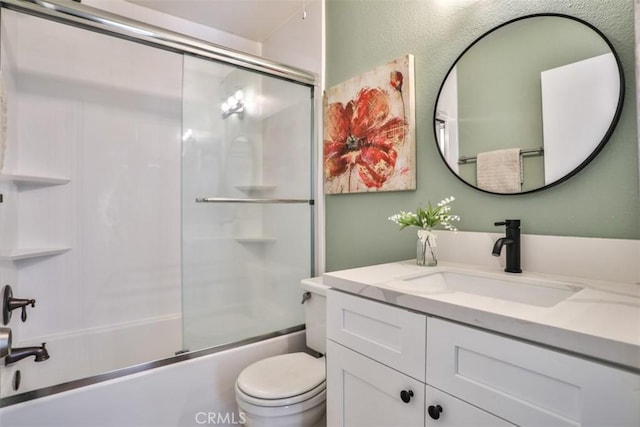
<point x="264" y="201"/>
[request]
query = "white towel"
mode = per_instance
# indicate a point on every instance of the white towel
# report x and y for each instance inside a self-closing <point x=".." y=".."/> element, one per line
<point x="500" y="171"/>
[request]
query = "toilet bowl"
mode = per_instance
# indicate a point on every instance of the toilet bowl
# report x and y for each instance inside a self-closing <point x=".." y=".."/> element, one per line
<point x="285" y="390"/>
<point x="289" y="390"/>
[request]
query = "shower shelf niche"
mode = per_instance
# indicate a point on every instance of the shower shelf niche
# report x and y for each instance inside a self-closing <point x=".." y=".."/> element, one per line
<point x="21" y="254"/>
<point x="22" y="179"/>
<point x="255" y="188"/>
<point x="255" y="239"/>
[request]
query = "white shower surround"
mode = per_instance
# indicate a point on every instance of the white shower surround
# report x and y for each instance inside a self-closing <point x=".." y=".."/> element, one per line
<point x="105" y="115"/>
<point x="162" y="316"/>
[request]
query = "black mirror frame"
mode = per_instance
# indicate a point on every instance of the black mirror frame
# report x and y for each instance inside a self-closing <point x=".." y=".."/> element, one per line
<point x="596" y="150"/>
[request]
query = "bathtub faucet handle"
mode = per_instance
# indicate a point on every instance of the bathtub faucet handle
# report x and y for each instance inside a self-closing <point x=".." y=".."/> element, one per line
<point x="9" y="303"/>
<point x="23" y="315"/>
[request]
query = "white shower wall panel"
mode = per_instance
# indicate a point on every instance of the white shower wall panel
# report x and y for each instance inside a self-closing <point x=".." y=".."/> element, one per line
<point x="94" y="351"/>
<point x="287" y="150"/>
<point x="129" y="201"/>
<point x="106" y="114"/>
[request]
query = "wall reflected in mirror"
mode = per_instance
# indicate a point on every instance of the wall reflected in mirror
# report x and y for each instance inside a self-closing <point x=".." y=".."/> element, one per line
<point x="529" y="104"/>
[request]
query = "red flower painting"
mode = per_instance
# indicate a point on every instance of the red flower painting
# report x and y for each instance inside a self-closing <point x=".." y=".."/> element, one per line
<point x="364" y="138"/>
<point x="362" y="135"/>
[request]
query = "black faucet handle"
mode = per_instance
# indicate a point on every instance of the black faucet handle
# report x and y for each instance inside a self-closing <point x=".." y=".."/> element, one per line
<point x="23" y="315"/>
<point x="509" y="223"/>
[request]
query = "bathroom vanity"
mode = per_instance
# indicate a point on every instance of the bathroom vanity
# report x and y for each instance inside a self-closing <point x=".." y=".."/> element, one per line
<point x="455" y="345"/>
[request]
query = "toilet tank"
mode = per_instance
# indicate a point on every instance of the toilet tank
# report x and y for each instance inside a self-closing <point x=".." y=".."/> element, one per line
<point x="315" y="313"/>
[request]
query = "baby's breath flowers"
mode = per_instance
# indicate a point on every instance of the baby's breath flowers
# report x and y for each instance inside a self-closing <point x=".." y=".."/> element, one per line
<point x="425" y="220"/>
<point x="429" y="218"/>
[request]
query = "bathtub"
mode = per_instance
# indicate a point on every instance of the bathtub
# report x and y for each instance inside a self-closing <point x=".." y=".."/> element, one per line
<point x="192" y="392"/>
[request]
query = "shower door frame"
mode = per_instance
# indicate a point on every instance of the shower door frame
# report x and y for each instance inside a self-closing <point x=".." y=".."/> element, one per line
<point x="96" y="20"/>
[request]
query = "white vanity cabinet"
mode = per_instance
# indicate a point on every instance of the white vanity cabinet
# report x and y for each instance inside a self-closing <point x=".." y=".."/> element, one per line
<point x="527" y="384"/>
<point x="363" y="392"/>
<point x="391" y="335"/>
<point x="376" y="369"/>
<point x="385" y="388"/>
<point x="389" y="366"/>
<point x="444" y="410"/>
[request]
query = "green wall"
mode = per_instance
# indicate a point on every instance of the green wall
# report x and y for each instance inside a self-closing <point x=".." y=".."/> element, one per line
<point x="600" y="201"/>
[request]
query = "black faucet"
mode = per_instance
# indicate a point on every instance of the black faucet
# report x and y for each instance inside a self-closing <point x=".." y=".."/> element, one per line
<point x="41" y="354"/>
<point x="512" y="240"/>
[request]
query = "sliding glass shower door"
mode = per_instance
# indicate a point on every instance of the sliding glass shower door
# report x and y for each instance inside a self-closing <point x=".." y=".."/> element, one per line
<point x="247" y="210"/>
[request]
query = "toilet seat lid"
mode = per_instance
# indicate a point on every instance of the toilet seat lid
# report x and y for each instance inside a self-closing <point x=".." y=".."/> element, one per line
<point x="282" y="376"/>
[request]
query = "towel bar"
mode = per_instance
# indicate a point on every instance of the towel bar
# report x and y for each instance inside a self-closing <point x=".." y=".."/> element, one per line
<point x="264" y="201"/>
<point x="528" y="152"/>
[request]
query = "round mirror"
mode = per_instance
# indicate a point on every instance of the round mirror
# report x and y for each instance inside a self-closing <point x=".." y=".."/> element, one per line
<point x="529" y="104"/>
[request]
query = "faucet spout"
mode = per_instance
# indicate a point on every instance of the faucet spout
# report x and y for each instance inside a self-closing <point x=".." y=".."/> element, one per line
<point x="497" y="246"/>
<point x="41" y="354"/>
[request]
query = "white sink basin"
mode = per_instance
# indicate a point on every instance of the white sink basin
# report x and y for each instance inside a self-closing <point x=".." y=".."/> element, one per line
<point x="523" y="290"/>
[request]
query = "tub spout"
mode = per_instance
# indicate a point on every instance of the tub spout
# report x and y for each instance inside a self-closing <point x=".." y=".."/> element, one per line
<point x="41" y="354"/>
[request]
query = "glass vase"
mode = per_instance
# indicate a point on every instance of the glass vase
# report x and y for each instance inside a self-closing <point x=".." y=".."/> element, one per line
<point x="426" y="254"/>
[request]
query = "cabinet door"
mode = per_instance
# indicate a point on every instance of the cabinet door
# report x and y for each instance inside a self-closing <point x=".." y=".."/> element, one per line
<point x="365" y="393"/>
<point x="526" y="384"/>
<point x="391" y="335"/>
<point x="444" y="410"/>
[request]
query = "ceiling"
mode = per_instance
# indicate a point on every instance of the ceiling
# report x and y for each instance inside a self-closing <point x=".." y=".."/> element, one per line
<point x="252" y="19"/>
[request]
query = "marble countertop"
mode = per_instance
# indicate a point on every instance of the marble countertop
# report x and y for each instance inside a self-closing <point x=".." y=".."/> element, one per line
<point x="600" y="320"/>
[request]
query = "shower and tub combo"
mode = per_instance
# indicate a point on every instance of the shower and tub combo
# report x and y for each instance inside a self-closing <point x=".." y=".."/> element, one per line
<point x="157" y="201"/>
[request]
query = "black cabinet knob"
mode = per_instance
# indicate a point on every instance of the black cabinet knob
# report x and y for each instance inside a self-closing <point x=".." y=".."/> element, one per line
<point x="434" y="411"/>
<point x="406" y="395"/>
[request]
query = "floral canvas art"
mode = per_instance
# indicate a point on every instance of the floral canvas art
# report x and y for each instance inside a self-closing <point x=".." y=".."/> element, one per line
<point x="369" y="131"/>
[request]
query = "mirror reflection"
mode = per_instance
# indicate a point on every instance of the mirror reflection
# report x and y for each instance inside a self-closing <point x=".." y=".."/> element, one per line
<point x="528" y="104"/>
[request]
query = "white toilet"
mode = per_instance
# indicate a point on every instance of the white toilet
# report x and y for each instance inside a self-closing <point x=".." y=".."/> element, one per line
<point x="290" y="389"/>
